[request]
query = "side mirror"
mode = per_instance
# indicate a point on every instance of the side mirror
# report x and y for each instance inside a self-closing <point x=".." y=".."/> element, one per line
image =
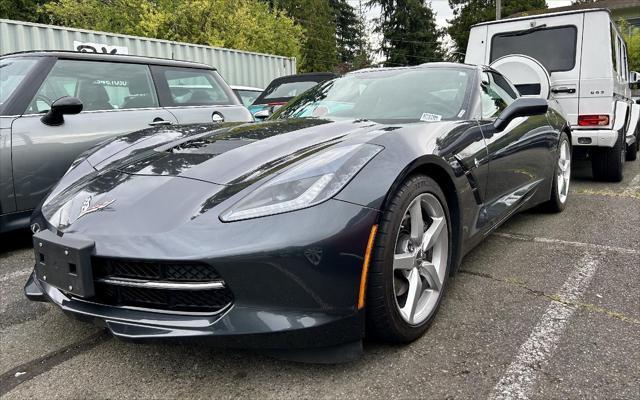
<point x="262" y="115"/>
<point x="59" y="108"/>
<point x="521" y="107"/>
<point x="634" y="77"/>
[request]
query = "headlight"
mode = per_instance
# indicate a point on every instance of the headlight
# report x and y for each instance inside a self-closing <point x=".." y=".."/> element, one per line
<point x="306" y="184"/>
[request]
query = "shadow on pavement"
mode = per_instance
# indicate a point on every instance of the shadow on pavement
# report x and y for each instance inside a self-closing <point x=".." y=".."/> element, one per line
<point x="16" y="240"/>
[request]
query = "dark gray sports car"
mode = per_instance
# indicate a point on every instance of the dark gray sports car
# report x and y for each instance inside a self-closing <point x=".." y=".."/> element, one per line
<point x="341" y="216"/>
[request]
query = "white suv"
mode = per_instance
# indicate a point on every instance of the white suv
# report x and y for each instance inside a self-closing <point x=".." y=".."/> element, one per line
<point x="585" y="58"/>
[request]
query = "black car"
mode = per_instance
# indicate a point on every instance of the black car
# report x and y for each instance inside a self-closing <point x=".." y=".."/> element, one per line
<point x="342" y="216"/>
<point x="285" y="88"/>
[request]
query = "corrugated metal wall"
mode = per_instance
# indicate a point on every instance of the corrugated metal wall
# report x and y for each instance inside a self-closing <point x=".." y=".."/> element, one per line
<point x="237" y="67"/>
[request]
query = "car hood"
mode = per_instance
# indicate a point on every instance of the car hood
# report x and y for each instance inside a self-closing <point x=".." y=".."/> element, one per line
<point x="235" y="154"/>
<point x="147" y="183"/>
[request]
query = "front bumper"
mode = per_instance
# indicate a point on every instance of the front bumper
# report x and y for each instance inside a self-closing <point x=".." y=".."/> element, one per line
<point x="295" y="289"/>
<point x="237" y="327"/>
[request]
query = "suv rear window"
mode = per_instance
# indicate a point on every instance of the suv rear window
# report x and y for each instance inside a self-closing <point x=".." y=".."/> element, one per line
<point x="555" y="48"/>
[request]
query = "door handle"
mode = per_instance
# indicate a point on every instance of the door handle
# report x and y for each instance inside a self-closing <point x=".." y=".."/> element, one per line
<point x="157" y="122"/>
<point x="563" y="90"/>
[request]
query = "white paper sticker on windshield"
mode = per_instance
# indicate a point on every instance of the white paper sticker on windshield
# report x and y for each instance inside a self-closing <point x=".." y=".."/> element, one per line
<point x="430" y="117"/>
<point x="461" y="113"/>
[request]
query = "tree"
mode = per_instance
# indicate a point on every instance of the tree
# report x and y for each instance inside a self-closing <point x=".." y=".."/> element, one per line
<point x="631" y="37"/>
<point x="239" y="24"/>
<point x="317" y="19"/>
<point x="409" y="32"/>
<point x="21" y="10"/>
<point x="351" y="39"/>
<point x="469" y="12"/>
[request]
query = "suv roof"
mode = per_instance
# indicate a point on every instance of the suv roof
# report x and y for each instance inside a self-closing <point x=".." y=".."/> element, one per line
<point x="543" y="15"/>
<point x="76" y="55"/>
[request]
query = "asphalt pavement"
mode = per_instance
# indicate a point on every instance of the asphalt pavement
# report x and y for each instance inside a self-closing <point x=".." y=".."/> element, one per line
<point x="548" y="307"/>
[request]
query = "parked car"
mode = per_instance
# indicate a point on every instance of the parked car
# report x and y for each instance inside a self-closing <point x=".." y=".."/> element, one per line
<point x="283" y="89"/>
<point x="300" y="232"/>
<point x="586" y="58"/>
<point x="246" y="94"/>
<point x="55" y="105"/>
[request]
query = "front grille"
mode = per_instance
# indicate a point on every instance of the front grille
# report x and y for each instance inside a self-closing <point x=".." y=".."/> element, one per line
<point x="167" y="300"/>
<point x="153" y="270"/>
<point x="113" y="280"/>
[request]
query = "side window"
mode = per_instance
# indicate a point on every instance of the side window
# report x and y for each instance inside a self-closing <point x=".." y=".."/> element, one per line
<point x="99" y="85"/>
<point x="614" y="53"/>
<point x="495" y="97"/>
<point x="193" y="87"/>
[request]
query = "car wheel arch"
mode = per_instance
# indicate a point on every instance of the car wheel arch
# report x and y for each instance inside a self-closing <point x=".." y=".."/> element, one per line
<point x="437" y="169"/>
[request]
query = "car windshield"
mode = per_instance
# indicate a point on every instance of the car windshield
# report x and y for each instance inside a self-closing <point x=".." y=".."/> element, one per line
<point x="247" y="96"/>
<point x="12" y="72"/>
<point x="409" y="94"/>
<point x="284" y="91"/>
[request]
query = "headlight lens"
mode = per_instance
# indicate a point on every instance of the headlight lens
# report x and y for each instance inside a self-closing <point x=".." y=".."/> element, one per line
<point x="306" y="184"/>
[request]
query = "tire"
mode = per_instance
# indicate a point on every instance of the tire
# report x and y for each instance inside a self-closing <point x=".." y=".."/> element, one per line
<point x="632" y="151"/>
<point x="561" y="177"/>
<point x="386" y="317"/>
<point x="607" y="164"/>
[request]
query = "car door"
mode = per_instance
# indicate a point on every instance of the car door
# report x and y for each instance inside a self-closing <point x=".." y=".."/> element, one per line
<point x="520" y="155"/>
<point x="117" y="98"/>
<point x="197" y="95"/>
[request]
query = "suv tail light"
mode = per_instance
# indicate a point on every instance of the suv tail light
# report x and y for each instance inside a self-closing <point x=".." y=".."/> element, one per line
<point x="593" y="120"/>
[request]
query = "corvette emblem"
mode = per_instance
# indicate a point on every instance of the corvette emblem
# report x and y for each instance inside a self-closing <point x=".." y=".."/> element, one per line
<point x="87" y="208"/>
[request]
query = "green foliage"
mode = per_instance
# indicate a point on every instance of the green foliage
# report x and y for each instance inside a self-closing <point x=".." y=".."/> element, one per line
<point x="409" y="31"/>
<point x="631" y="37"/>
<point x="354" y="51"/>
<point x="21" y="10"/>
<point x="239" y="24"/>
<point x="319" y="51"/>
<point x="469" y="12"/>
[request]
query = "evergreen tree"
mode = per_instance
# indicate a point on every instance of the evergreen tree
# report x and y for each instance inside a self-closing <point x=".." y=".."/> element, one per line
<point x="351" y="39"/>
<point x="469" y="12"/>
<point x="319" y="50"/>
<point x="409" y="32"/>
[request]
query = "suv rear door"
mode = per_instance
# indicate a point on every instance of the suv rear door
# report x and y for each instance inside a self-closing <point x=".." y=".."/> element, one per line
<point x="197" y="95"/>
<point x="554" y="42"/>
<point x="117" y="98"/>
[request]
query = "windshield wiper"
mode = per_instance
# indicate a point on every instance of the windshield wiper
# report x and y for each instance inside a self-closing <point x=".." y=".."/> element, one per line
<point x="525" y="32"/>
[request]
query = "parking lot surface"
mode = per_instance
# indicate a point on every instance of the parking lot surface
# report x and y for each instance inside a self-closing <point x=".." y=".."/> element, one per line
<point x="547" y="307"/>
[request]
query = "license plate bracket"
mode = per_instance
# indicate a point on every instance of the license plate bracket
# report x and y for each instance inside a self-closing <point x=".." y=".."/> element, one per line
<point x="64" y="262"/>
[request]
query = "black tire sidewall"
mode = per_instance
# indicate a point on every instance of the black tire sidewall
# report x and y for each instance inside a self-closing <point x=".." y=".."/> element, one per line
<point x="397" y="329"/>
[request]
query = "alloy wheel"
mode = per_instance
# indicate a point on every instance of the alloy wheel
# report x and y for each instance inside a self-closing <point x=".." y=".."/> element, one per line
<point x="564" y="171"/>
<point x="420" y="259"/>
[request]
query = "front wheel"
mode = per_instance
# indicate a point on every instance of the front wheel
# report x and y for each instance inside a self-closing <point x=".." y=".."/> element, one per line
<point x="411" y="262"/>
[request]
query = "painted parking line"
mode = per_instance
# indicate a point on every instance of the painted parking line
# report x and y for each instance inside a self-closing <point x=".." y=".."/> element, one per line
<point x="520" y="377"/>
<point x="591" y="246"/>
<point x="634" y="187"/>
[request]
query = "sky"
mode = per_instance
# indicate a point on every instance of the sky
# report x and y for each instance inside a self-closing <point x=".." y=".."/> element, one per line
<point x="441" y="8"/>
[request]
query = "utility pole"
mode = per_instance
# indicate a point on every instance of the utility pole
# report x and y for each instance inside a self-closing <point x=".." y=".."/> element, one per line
<point x="498" y="9"/>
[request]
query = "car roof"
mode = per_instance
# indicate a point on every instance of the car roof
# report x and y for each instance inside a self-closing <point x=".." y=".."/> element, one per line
<point x="538" y="16"/>
<point x="425" y="65"/>
<point x="237" y="87"/>
<point x="76" y="55"/>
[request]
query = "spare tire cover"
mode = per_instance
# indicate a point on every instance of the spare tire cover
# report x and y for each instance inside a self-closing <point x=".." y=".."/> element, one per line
<point x="526" y="73"/>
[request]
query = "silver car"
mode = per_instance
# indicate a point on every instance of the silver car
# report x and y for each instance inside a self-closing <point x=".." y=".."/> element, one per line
<point x="55" y="105"/>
